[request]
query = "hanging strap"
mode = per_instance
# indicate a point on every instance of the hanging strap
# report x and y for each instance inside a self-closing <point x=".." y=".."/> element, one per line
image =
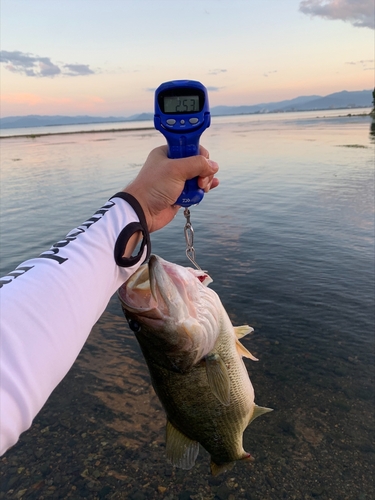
<point x="128" y="231"/>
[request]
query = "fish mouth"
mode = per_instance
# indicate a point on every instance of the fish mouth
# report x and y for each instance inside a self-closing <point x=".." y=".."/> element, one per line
<point x="170" y="286"/>
<point x="160" y="289"/>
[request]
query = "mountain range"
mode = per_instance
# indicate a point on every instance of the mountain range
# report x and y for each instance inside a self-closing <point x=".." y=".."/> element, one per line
<point x="337" y="100"/>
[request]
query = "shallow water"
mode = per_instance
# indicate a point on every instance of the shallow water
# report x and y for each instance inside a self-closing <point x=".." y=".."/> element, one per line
<point x="289" y="241"/>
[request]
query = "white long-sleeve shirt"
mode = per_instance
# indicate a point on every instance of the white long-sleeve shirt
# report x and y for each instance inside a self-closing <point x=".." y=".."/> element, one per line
<point x="49" y="305"/>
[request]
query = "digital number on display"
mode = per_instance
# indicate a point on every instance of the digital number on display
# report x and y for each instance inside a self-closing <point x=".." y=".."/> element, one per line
<point x="181" y="104"/>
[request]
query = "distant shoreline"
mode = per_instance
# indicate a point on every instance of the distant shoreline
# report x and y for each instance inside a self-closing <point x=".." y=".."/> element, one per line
<point x="44" y="134"/>
<point x="139" y="129"/>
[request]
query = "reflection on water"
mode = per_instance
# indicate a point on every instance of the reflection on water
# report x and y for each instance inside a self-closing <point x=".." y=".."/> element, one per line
<point x="122" y="383"/>
<point x="289" y="241"/>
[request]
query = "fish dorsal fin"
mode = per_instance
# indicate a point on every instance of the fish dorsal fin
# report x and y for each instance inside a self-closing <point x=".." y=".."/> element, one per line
<point x="218" y="378"/>
<point x="243" y="330"/>
<point x="258" y="411"/>
<point x="242" y="351"/>
<point x="181" y="451"/>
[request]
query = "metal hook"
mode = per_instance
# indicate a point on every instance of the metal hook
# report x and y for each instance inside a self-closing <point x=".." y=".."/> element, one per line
<point x="189" y="237"/>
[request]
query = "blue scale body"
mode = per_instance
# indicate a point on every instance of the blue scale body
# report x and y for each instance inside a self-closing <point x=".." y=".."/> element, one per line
<point x="182" y="114"/>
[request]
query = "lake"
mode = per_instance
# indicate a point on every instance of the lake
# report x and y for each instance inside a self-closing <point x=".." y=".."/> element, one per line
<point x="288" y="238"/>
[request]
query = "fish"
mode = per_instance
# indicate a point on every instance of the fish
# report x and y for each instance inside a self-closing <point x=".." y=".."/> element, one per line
<point x="194" y="358"/>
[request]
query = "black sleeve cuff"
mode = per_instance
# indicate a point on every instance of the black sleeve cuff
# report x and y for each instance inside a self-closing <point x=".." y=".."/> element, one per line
<point x="128" y="231"/>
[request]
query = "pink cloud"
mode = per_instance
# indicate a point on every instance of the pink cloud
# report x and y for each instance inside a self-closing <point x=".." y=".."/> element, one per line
<point x="23" y="103"/>
<point x="33" y="99"/>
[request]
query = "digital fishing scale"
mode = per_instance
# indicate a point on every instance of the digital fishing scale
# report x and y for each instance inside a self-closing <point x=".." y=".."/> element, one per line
<point x="182" y="114"/>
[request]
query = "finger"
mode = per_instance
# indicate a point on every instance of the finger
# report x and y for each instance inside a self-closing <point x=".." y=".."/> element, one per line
<point x="203" y="151"/>
<point x="197" y="166"/>
<point x="215" y="182"/>
<point x="208" y="183"/>
<point x="160" y="151"/>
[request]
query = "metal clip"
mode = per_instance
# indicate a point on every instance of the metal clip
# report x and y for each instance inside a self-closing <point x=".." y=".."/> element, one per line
<point x="189" y="237"/>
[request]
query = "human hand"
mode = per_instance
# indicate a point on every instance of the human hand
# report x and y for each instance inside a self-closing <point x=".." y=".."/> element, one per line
<point x="161" y="180"/>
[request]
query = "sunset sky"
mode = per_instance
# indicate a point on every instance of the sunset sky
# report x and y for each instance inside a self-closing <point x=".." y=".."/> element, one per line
<point x="106" y="57"/>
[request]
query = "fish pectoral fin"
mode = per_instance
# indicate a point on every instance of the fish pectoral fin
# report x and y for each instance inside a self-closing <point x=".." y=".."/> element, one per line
<point x="243" y="330"/>
<point x="242" y="351"/>
<point x="218" y="469"/>
<point x="218" y="378"/>
<point x="181" y="451"/>
<point x="258" y="411"/>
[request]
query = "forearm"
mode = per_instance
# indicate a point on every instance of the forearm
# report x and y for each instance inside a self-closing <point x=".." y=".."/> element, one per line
<point x="48" y="307"/>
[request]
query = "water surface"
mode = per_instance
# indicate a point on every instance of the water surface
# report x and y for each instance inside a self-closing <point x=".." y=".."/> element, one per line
<point x="289" y="241"/>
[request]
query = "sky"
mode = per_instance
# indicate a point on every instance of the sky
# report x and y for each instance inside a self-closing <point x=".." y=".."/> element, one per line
<point x="107" y="57"/>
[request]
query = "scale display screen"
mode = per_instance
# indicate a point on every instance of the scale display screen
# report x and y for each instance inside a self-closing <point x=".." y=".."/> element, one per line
<point x="175" y="100"/>
<point x="181" y="104"/>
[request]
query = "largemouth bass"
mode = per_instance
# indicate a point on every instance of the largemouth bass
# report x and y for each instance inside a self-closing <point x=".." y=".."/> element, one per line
<point x="195" y="361"/>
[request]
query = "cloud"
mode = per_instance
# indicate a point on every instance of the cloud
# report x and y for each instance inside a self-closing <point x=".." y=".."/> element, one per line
<point x="216" y="71"/>
<point x="21" y="98"/>
<point x="18" y="62"/>
<point x="78" y="69"/>
<point x="16" y="103"/>
<point x="270" y="72"/>
<point x="362" y="61"/>
<point x="366" y="64"/>
<point x="32" y="65"/>
<point x="360" y="13"/>
<point x="214" y="89"/>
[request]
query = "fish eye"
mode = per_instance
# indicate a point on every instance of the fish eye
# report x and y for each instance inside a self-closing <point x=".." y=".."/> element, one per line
<point x="133" y="325"/>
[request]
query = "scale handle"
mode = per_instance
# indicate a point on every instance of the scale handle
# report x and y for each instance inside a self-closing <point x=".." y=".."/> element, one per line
<point x="180" y="146"/>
